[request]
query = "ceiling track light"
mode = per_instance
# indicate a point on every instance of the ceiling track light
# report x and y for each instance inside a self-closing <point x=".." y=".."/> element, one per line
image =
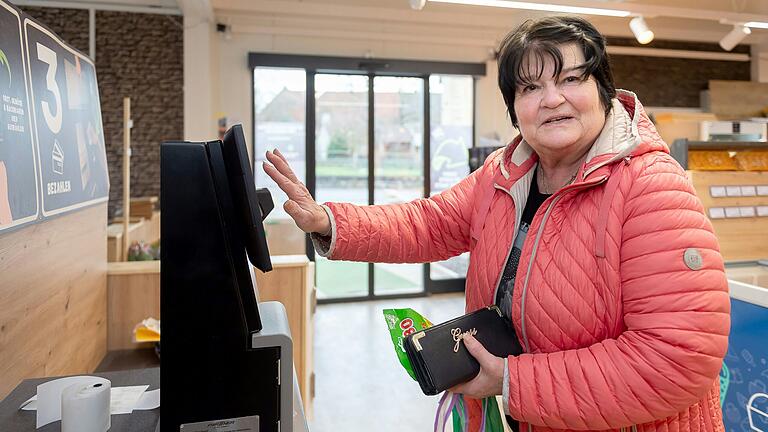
<point x="739" y="32"/>
<point x="640" y="29"/>
<point x="544" y="7"/>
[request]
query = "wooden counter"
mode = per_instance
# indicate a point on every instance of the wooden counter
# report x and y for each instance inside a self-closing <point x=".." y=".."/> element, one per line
<point x="292" y="283"/>
<point x="133" y="294"/>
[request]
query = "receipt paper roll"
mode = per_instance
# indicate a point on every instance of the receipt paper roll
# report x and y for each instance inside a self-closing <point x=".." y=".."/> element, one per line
<point x="85" y="407"/>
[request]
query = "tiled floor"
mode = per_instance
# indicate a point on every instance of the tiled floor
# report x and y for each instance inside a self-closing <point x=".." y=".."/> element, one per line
<point x="359" y="383"/>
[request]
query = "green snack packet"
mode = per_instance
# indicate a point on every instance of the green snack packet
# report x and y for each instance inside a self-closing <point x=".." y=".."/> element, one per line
<point x="401" y="323"/>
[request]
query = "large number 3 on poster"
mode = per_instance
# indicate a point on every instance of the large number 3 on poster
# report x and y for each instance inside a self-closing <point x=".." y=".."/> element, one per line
<point x="48" y="56"/>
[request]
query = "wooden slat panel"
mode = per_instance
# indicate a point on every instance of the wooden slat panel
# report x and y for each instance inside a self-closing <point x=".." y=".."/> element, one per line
<point x="53" y="297"/>
<point x="740" y="238"/>
<point x="737" y="99"/>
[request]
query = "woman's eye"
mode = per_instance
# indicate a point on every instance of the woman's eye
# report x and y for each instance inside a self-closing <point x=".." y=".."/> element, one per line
<point x="572" y="79"/>
<point x="529" y="88"/>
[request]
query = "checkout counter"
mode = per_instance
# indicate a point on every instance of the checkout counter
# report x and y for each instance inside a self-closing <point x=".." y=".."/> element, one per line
<point x="227" y="360"/>
<point x="13" y="419"/>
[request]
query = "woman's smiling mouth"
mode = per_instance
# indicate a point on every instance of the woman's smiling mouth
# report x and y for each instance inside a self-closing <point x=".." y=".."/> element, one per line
<point x="557" y="120"/>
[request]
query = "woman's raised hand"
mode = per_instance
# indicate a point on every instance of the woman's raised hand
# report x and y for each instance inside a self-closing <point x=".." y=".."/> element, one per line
<point x="305" y="211"/>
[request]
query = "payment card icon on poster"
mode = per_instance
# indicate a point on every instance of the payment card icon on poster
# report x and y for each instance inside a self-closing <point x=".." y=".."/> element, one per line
<point x="57" y="157"/>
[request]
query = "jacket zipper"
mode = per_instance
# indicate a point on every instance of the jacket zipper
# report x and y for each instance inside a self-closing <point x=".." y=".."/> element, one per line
<point x="552" y="203"/>
<point x="511" y="244"/>
<point x="539" y="232"/>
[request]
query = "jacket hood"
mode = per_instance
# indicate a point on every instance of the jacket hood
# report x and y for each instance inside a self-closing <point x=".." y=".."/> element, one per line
<point x="628" y="132"/>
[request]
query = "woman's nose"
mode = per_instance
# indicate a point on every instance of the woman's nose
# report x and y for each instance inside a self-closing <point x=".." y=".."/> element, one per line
<point x="552" y="96"/>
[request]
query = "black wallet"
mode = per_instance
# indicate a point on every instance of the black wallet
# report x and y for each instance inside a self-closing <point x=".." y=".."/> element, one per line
<point x="439" y="358"/>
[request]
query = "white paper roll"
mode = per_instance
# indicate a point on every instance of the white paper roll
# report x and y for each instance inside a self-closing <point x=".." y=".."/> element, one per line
<point x="85" y="407"/>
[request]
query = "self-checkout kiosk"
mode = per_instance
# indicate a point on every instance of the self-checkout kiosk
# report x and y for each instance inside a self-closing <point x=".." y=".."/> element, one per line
<point x="226" y="362"/>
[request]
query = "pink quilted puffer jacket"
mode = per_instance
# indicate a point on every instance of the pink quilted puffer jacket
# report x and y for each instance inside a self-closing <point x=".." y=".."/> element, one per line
<point x="621" y="301"/>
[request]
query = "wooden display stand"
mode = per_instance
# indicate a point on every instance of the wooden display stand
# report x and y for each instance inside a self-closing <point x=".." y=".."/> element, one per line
<point x="285" y="238"/>
<point x="292" y="283"/>
<point x="141" y="229"/>
<point x="133" y="294"/>
<point x="756" y="274"/>
<point x="743" y="236"/>
<point x="143" y="207"/>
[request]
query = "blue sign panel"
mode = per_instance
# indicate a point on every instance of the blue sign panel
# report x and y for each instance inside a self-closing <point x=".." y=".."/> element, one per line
<point x="744" y="377"/>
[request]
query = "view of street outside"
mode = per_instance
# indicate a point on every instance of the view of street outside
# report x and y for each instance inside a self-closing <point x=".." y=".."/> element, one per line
<point x="341" y="143"/>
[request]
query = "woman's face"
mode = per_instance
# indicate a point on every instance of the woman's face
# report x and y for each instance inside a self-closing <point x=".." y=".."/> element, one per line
<point x="561" y="114"/>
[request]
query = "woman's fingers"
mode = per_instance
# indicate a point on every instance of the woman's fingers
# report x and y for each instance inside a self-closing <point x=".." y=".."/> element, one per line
<point x="308" y="215"/>
<point x="294" y="210"/>
<point x="293" y="190"/>
<point x="277" y="152"/>
<point x="281" y="164"/>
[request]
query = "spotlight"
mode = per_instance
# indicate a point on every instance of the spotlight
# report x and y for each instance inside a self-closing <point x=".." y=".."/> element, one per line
<point x="417" y="4"/>
<point x="640" y="29"/>
<point x="739" y="32"/>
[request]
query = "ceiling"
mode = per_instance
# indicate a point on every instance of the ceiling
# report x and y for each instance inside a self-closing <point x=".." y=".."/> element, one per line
<point x="693" y="20"/>
<point x="690" y="20"/>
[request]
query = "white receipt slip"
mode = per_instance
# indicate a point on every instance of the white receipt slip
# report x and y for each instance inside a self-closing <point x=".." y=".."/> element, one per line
<point x="123" y="400"/>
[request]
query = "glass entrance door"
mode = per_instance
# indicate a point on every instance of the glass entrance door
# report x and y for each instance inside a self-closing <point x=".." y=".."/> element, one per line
<point x="341" y="170"/>
<point x="369" y="149"/>
<point x="364" y="132"/>
<point x="451" y="129"/>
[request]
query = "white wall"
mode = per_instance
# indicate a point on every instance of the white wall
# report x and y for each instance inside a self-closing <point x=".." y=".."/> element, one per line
<point x="200" y="77"/>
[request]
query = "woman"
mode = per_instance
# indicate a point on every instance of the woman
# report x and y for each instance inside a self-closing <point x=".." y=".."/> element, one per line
<point x="587" y="234"/>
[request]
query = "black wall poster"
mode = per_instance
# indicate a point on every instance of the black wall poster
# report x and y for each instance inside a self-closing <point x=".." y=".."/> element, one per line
<point x="52" y="154"/>
<point x="67" y="118"/>
<point x="18" y="170"/>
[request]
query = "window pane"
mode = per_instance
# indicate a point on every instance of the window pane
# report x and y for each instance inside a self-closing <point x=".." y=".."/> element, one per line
<point x="399" y="139"/>
<point x="399" y="166"/>
<point x="280" y="110"/>
<point x="451" y="100"/>
<point x="280" y="123"/>
<point x="341" y="136"/>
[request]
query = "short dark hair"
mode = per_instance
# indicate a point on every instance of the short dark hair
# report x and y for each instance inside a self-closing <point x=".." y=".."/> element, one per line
<point x="542" y="38"/>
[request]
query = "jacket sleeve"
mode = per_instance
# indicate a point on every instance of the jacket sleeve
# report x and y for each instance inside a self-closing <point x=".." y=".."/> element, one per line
<point x="676" y="321"/>
<point x="424" y="230"/>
